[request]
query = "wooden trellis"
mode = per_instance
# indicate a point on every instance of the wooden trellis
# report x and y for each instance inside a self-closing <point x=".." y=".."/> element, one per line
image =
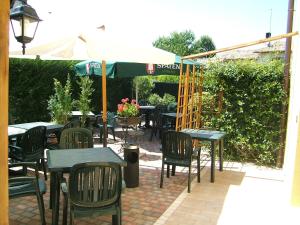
<point x="190" y="99"/>
<point x="189" y="105"/>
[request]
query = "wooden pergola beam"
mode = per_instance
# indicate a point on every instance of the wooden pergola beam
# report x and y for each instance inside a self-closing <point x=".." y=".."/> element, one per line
<point x="261" y="41"/>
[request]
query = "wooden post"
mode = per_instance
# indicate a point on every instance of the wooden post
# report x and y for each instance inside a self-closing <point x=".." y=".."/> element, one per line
<point x="104" y="103"/>
<point x="286" y="85"/>
<point x="4" y="35"/>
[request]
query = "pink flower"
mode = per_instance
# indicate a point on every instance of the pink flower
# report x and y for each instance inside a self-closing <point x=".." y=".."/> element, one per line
<point x="133" y="101"/>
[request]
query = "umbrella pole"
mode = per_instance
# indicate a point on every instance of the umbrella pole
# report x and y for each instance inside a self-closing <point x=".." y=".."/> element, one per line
<point x="104" y="103"/>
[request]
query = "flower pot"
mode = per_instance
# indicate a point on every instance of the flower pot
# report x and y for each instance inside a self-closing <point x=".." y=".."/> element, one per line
<point x="128" y="121"/>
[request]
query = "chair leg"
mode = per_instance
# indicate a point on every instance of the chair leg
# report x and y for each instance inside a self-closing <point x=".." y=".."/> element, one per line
<point x="101" y="135"/>
<point x="71" y="217"/>
<point x="168" y="171"/>
<point x="113" y="133"/>
<point x="198" y="164"/>
<point x="65" y="210"/>
<point x="162" y="175"/>
<point x="40" y="201"/>
<point x="173" y="170"/>
<point x="44" y="167"/>
<point x="189" y="180"/>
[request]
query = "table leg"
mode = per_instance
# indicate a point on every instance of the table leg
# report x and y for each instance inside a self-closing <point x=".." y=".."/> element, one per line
<point x="212" y="167"/>
<point x="221" y="147"/>
<point x="55" y="197"/>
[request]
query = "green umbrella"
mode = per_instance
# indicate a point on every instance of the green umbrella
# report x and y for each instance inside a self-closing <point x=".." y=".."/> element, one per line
<point x="129" y="69"/>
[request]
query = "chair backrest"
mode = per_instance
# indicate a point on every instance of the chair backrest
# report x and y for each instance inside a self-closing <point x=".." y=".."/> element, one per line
<point x="76" y="138"/>
<point x="95" y="184"/>
<point x="111" y="119"/>
<point x="33" y="143"/>
<point x="157" y="117"/>
<point x="72" y="124"/>
<point x="177" y="145"/>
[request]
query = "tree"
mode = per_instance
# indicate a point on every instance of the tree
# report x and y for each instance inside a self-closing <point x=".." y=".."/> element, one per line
<point x="204" y="44"/>
<point x="184" y="43"/>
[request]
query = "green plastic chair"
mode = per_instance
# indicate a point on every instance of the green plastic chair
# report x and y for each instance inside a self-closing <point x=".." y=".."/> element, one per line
<point x="111" y="124"/>
<point x="30" y="148"/>
<point x="76" y="138"/>
<point x="177" y="150"/>
<point x="94" y="189"/>
<point x="22" y="186"/>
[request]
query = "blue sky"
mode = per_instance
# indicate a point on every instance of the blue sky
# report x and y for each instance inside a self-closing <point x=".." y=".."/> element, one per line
<point x="228" y="22"/>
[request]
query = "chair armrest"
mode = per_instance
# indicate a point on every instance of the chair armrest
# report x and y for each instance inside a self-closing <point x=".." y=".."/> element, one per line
<point x="15" y="147"/>
<point x="29" y="164"/>
<point x="64" y="186"/>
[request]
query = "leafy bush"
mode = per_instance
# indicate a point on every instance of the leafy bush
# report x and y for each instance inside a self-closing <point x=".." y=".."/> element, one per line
<point x="155" y="99"/>
<point x="251" y="114"/>
<point x="84" y="101"/>
<point x="60" y="104"/>
<point x="145" y="86"/>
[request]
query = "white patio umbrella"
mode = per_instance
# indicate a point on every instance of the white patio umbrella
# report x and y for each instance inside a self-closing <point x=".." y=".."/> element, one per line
<point x="98" y="46"/>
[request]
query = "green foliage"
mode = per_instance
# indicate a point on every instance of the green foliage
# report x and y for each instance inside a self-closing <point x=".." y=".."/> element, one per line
<point x="253" y="96"/>
<point x="204" y="44"/>
<point x="84" y="102"/>
<point x="167" y="78"/>
<point x="60" y="103"/>
<point x="30" y="89"/>
<point x="155" y="99"/>
<point x="184" y="43"/>
<point x="145" y="86"/>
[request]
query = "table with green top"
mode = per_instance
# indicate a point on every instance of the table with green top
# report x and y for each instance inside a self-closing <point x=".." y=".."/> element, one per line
<point x="214" y="136"/>
<point x="61" y="161"/>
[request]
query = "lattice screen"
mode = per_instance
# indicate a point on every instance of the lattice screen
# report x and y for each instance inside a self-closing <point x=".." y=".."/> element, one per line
<point x="189" y="105"/>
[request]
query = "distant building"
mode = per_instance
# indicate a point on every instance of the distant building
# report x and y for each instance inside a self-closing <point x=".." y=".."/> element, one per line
<point x="271" y="51"/>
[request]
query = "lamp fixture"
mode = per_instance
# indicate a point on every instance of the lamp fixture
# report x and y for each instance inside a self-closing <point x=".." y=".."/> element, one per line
<point x="24" y="21"/>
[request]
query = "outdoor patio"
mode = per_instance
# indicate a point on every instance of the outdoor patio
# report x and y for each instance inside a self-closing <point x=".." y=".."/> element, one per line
<point x="241" y="194"/>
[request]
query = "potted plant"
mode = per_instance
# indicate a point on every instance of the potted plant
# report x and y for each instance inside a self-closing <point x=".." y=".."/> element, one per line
<point x="128" y="112"/>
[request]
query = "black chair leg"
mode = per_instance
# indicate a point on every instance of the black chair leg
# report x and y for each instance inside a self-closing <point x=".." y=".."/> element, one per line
<point x="40" y="201"/>
<point x="162" y="175"/>
<point x="189" y="180"/>
<point x="168" y="171"/>
<point x="198" y="165"/>
<point x="113" y="133"/>
<point x="65" y="210"/>
<point x="44" y="168"/>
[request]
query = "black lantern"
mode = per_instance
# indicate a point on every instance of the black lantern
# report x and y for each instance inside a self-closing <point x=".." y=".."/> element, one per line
<point x="24" y="21"/>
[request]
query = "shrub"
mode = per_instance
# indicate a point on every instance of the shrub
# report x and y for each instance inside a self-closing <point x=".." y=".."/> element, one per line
<point x="60" y="103"/>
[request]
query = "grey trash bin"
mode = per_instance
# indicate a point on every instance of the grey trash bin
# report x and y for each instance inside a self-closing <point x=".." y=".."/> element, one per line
<point x="131" y="171"/>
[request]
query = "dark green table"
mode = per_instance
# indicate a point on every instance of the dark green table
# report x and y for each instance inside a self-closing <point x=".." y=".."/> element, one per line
<point x="214" y="137"/>
<point x="61" y="161"/>
<point x="16" y="130"/>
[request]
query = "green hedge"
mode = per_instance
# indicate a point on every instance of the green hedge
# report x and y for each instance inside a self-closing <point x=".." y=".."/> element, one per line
<point x="31" y="84"/>
<point x="253" y="96"/>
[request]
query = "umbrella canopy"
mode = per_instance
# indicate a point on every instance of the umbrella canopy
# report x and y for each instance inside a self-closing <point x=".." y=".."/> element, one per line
<point x="130" y="69"/>
<point x="97" y="47"/>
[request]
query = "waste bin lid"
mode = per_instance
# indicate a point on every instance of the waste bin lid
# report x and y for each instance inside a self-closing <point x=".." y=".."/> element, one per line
<point x="130" y="146"/>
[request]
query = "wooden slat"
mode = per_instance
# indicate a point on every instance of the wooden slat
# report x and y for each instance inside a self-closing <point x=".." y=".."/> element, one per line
<point x="261" y="41"/>
<point x="4" y="77"/>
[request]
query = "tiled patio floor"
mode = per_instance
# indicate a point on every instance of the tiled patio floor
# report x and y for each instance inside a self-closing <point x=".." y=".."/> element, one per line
<point x="241" y="194"/>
